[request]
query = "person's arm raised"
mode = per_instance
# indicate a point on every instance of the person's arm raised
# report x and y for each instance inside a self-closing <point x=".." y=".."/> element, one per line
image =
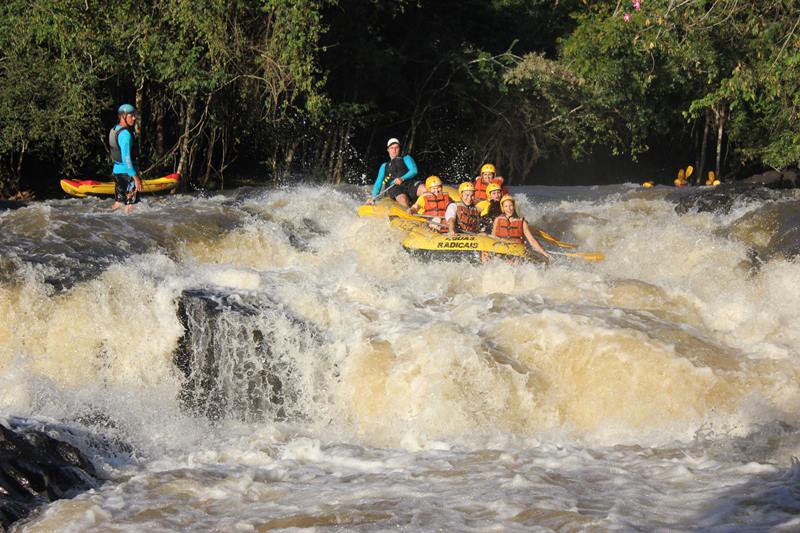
<point x="532" y="240"/>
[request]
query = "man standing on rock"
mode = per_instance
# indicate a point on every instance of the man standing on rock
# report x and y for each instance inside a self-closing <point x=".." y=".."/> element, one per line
<point x="124" y="151"/>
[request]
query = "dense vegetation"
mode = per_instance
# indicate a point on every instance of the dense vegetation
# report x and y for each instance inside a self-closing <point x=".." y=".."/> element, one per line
<point x="274" y="89"/>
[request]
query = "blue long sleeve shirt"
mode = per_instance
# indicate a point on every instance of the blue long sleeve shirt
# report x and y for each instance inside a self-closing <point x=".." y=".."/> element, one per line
<point x="126" y="166"/>
<point x="412" y="171"/>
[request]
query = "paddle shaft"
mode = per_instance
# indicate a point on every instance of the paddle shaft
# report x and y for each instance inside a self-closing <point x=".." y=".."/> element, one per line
<point x="383" y="192"/>
<point x="587" y="256"/>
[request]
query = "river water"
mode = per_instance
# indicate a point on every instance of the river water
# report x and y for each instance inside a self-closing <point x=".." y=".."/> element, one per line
<point x="265" y="359"/>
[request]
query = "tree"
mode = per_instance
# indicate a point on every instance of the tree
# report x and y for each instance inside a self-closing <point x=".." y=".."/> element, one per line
<point x="50" y="65"/>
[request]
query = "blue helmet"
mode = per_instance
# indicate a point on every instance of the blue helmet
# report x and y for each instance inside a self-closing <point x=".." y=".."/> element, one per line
<point x="126" y="109"/>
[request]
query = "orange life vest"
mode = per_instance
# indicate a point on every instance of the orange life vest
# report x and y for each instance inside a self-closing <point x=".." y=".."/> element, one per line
<point x="436" y="204"/>
<point x="509" y="229"/>
<point x="480" y="188"/>
<point x="467" y="218"/>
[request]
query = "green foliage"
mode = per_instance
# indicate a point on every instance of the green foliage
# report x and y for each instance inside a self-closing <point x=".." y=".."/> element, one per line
<point x="282" y="84"/>
<point x="47" y="81"/>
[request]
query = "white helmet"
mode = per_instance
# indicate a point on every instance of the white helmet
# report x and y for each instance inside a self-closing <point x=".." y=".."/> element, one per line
<point x="391" y="142"/>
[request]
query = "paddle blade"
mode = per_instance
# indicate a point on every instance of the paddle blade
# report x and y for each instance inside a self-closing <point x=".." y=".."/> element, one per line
<point x="366" y="211"/>
<point x="689" y="171"/>
<point x="561" y="244"/>
<point x="586" y="256"/>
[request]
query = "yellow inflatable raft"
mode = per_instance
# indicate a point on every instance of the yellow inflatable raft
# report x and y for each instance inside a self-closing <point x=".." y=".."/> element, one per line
<point x="83" y="188"/>
<point x="421" y="238"/>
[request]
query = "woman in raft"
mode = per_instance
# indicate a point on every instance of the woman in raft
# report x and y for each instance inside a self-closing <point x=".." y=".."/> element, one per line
<point x="509" y="225"/>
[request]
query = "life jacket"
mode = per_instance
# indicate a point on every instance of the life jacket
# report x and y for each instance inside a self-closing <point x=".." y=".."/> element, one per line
<point x="436" y="204"/>
<point x="395" y="168"/>
<point x="492" y="212"/>
<point x="480" y="189"/>
<point x="467" y="218"/>
<point x="510" y="229"/>
<point x="116" y="152"/>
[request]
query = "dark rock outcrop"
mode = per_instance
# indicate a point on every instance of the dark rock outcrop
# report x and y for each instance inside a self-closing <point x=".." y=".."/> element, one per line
<point x="759" y="187"/>
<point x="238" y="355"/>
<point x="723" y="197"/>
<point x="35" y="469"/>
<point x="776" y="179"/>
<point x="11" y="204"/>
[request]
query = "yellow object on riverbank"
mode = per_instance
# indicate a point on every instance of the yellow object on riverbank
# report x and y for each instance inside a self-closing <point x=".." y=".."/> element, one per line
<point x="83" y="188"/>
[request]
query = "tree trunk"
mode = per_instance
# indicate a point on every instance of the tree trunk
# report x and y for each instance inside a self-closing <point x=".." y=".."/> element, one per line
<point x="412" y="136"/>
<point x="332" y="159"/>
<point x="160" y="136"/>
<point x="184" y="166"/>
<point x="322" y="155"/>
<point x="223" y="159"/>
<point x="139" y="104"/>
<point x="701" y="168"/>
<point x="18" y="170"/>
<point x="721" y="117"/>
<point x="212" y="141"/>
<point x="287" y="161"/>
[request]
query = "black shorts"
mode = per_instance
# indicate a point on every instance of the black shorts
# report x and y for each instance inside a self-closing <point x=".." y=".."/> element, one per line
<point x="408" y="187"/>
<point x="122" y="185"/>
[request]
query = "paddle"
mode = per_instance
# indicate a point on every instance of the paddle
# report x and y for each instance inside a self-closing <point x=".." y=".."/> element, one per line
<point x="561" y="244"/>
<point x="383" y="192"/>
<point x="587" y="256"/>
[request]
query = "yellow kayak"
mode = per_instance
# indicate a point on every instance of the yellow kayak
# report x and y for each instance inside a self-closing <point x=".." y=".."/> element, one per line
<point x="82" y="188"/>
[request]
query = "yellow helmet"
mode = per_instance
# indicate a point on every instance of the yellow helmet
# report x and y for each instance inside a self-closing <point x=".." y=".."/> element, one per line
<point x="466" y="186"/>
<point x="492" y="187"/>
<point x="433" y="181"/>
<point x="506" y="198"/>
<point x="488" y="167"/>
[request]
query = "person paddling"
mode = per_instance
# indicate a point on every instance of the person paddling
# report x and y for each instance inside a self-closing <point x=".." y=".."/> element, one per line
<point x="511" y="226"/>
<point x="433" y="203"/>
<point x="463" y="216"/>
<point x="396" y="177"/>
<point x="124" y="151"/>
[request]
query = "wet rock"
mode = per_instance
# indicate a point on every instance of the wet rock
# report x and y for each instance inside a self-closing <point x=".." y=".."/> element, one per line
<point x="36" y="469"/>
<point x="723" y="197"/>
<point x="239" y="355"/>
<point x="759" y="187"/>
<point x="11" y="204"/>
<point x="776" y="179"/>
